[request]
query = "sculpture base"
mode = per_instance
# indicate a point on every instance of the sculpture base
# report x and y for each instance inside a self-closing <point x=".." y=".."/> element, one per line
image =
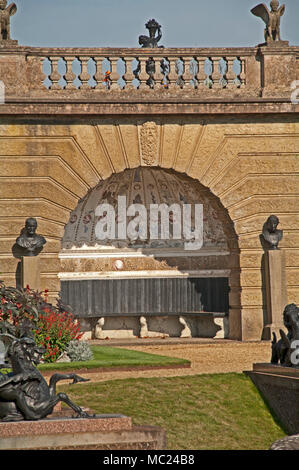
<point x="8" y="43"/>
<point x="30" y="272"/>
<point x="274" y="44"/>
<point x="280" y="388"/>
<point x="104" y="432"/>
<point x="276" y="292"/>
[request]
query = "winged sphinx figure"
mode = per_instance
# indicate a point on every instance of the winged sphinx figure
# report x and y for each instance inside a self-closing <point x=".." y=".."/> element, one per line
<point x="5" y="14"/>
<point x="271" y="19"/>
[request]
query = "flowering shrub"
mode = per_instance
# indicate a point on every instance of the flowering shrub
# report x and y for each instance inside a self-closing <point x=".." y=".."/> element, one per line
<point x="16" y="305"/>
<point x="26" y="312"/>
<point x="54" y="332"/>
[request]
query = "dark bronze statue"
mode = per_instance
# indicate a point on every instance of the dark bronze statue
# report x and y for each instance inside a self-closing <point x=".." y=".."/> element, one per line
<point x="151" y="40"/>
<point x="284" y="350"/>
<point x="271" y="19"/>
<point x="271" y="236"/>
<point x="24" y="393"/>
<point x="30" y="243"/>
<point x="5" y="14"/>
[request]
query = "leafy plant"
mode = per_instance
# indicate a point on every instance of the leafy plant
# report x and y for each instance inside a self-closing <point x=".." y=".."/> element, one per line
<point x="79" y="351"/>
<point x="19" y="306"/>
<point x="25" y="312"/>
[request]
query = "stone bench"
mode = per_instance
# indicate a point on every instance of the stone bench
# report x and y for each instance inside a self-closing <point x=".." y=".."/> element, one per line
<point x="188" y="322"/>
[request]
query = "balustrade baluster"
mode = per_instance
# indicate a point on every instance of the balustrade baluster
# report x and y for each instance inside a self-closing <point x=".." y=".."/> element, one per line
<point x="99" y="76"/>
<point x="230" y="74"/>
<point x="70" y="75"/>
<point x="55" y="75"/>
<point x="242" y="75"/>
<point x="188" y="75"/>
<point x="84" y="75"/>
<point x="129" y="76"/>
<point x="114" y="75"/>
<point x="172" y="75"/>
<point x="143" y="76"/>
<point x="216" y="75"/>
<point x="158" y="75"/>
<point x="201" y="74"/>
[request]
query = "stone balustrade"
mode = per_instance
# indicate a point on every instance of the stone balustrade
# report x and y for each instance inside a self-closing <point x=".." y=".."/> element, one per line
<point x="99" y="78"/>
<point x="125" y="70"/>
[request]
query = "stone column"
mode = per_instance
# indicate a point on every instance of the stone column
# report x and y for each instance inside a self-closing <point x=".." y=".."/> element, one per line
<point x="30" y="272"/>
<point x="276" y="291"/>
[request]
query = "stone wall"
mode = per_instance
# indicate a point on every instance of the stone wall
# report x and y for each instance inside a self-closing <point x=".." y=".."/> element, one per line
<point x="243" y="148"/>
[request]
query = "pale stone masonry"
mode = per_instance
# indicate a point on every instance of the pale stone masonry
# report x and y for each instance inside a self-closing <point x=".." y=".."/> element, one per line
<point x="237" y="133"/>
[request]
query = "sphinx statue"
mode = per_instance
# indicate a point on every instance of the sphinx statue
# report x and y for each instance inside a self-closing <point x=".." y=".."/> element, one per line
<point x="271" y="19"/>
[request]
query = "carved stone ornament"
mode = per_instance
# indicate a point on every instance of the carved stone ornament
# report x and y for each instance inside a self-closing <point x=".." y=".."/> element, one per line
<point x="149" y="142"/>
<point x="152" y="40"/>
<point x="271" y="19"/>
<point x="5" y="14"/>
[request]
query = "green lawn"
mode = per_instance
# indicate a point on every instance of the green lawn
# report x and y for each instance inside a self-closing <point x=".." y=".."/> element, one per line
<point x="219" y="411"/>
<point x="106" y="356"/>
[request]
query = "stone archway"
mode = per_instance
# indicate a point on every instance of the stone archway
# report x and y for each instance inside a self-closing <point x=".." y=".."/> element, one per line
<point x="88" y="264"/>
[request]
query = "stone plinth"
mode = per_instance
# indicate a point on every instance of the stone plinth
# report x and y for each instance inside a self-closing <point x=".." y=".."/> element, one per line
<point x="99" y="433"/>
<point x="279" y="386"/>
<point x="8" y="43"/>
<point x="276" y="292"/>
<point x="30" y="272"/>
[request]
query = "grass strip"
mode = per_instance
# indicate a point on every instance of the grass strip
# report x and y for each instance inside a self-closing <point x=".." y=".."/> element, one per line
<point x="212" y="412"/>
<point x="109" y="357"/>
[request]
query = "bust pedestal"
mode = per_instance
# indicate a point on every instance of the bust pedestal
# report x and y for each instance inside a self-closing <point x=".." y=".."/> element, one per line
<point x="276" y="292"/>
<point x="30" y="272"/>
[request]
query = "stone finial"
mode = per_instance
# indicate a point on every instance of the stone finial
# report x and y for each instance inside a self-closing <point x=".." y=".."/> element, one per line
<point x="271" y="20"/>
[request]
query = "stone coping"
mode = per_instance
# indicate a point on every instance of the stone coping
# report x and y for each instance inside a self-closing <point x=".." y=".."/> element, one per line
<point x="63" y="425"/>
<point x="276" y="369"/>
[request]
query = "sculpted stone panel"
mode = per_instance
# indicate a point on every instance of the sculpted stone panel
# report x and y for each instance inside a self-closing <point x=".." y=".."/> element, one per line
<point x="149" y="143"/>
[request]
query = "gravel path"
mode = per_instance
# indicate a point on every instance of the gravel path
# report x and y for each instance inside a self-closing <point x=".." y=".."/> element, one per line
<point x="206" y="358"/>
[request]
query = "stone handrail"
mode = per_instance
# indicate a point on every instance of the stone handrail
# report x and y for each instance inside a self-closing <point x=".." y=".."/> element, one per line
<point x="36" y="73"/>
<point x="129" y="69"/>
<point x="112" y="69"/>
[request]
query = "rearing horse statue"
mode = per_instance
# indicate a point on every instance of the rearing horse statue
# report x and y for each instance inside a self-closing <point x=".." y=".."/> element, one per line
<point x="24" y="393"/>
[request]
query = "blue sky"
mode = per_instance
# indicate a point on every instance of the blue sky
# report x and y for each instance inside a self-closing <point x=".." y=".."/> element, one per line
<point x="118" y="23"/>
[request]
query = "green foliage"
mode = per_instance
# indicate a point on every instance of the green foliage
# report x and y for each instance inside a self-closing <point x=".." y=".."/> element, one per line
<point x="54" y="331"/>
<point x="27" y="312"/>
<point x="79" y="351"/>
<point x="17" y="305"/>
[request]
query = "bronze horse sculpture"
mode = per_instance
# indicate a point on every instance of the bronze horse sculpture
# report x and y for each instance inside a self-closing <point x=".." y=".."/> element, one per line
<point x="24" y="393"/>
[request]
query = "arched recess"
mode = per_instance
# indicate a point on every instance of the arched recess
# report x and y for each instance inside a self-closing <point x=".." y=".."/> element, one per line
<point x="86" y="261"/>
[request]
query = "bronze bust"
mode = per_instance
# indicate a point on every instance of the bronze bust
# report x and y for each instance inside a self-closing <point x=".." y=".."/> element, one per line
<point x="271" y="235"/>
<point x="5" y="14"/>
<point x="30" y="242"/>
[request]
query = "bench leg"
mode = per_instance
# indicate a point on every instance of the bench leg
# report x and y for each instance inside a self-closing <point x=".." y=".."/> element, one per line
<point x="99" y="334"/>
<point x="186" y="332"/>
